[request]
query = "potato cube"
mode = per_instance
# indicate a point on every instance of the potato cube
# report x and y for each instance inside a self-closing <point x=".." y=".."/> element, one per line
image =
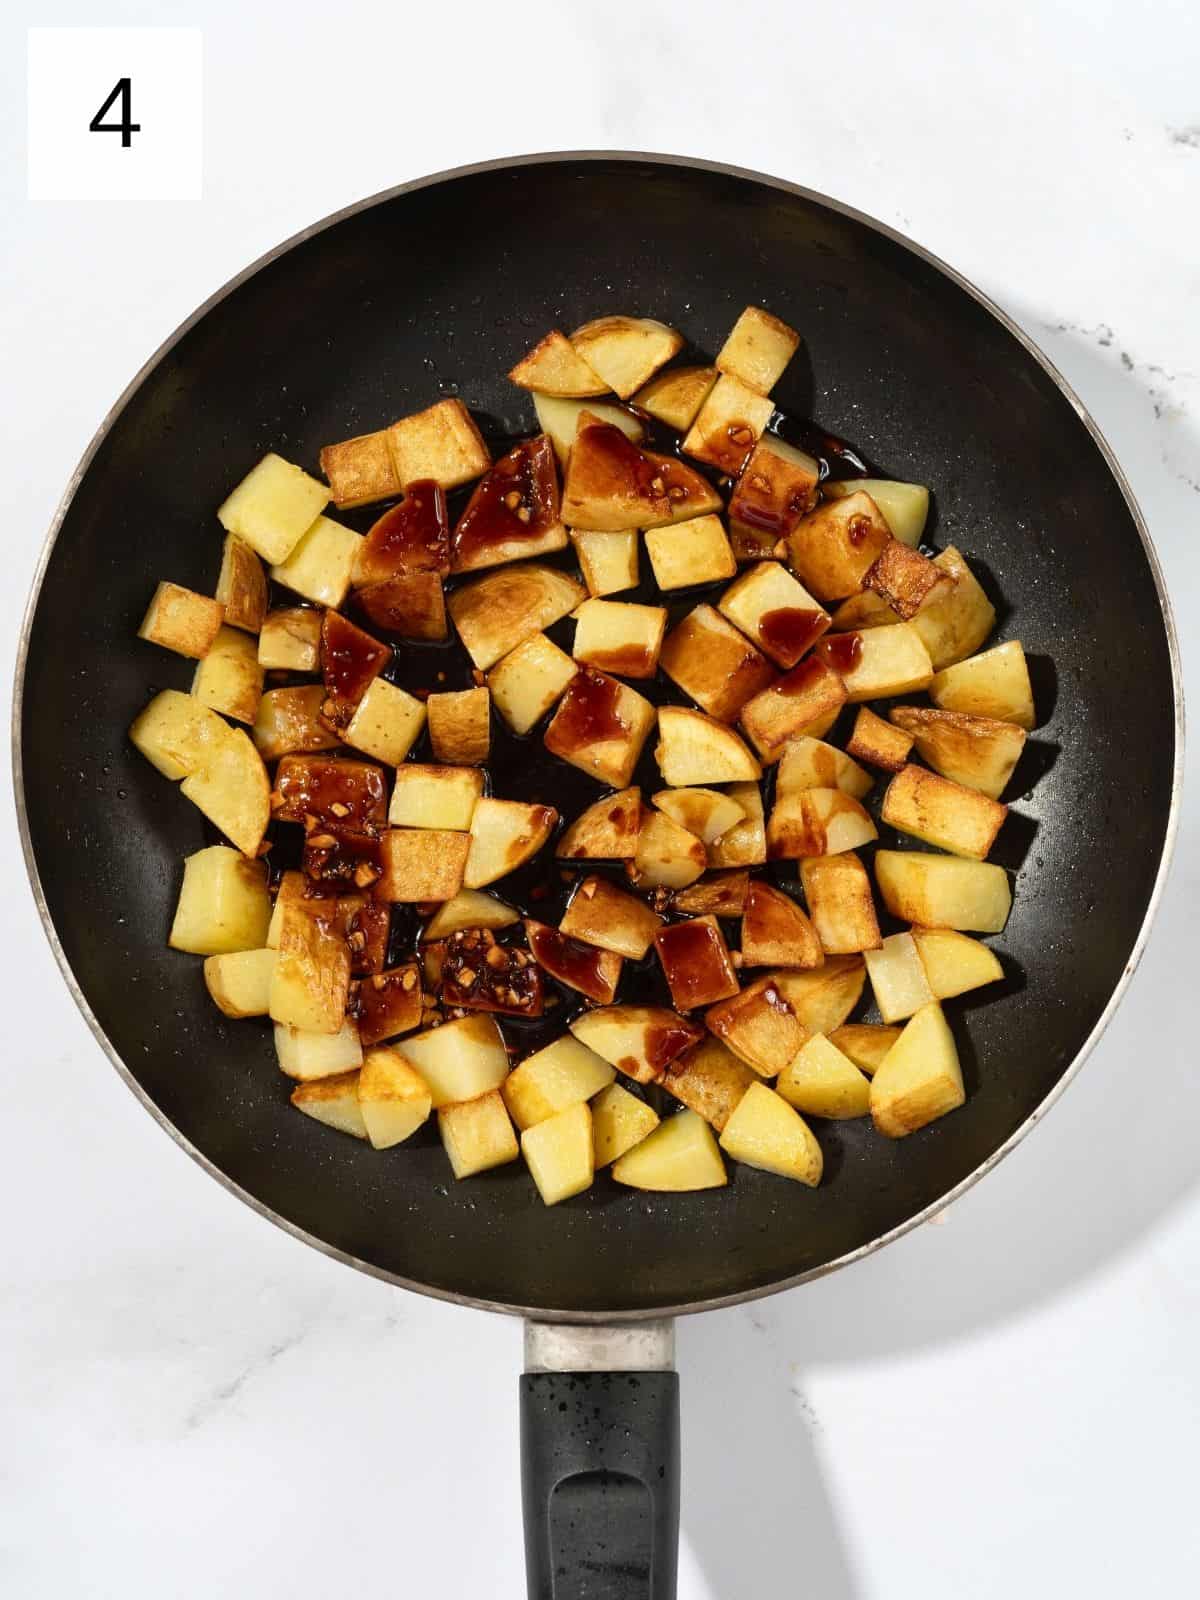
<point x="710" y="1080"/>
<point x="608" y="561"/>
<point x="625" y="352"/>
<point x="679" y="1156"/>
<point x="718" y="894"/>
<point x="992" y="684"/>
<point x="767" y="1133"/>
<point x="619" y="638"/>
<point x="606" y="831"/>
<point x="477" y="1135"/>
<point x="943" y="891"/>
<point x="821" y="1082"/>
<point x="290" y="640"/>
<point x="361" y="470"/>
<point x="640" y="1041"/>
<point x="289" y="721"/>
<point x="729" y="425"/>
<point x="320" y="565"/>
<point x="388" y="1003"/>
<point x="821" y="1000"/>
<point x="778" y="613"/>
<point x="333" y="1101"/>
<point x="529" y="680"/>
<point x="460" y="726"/>
<point x="619" y="1121"/>
<point x="759" y="1025"/>
<point x="600" y="727"/>
<point x="878" y="661"/>
<point x="905" y="506"/>
<point x="920" y="1077"/>
<point x="603" y="915"/>
<point x="558" y="418"/>
<point x="714" y="663"/>
<point x="422" y="864"/>
<point x="817" y="822"/>
<point x="866" y="1043"/>
<point x="393" y="1098"/>
<point x="979" y="752"/>
<point x="561" y="1075"/>
<point x="559" y="1153"/>
<point x="898" y="978"/>
<point x="496" y="612"/>
<point x="223" y="904"/>
<point x="939" y="812"/>
<point x="242" y="585"/>
<point x="777" y="487"/>
<point x="310" y="982"/>
<point x="230" y="678"/>
<point x="905" y="578"/>
<point x="745" y="843"/>
<point x="441" y="443"/>
<point x="469" y="909"/>
<point x="696" y="962"/>
<point x="177" y="734"/>
<point x="953" y="622"/>
<point x="705" y="812"/>
<point x="412" y="604"/>
<point x="273" y="507"/>
<point x="240" y="981"/>
<point x="231" y="788"/>
<point x="461" y="1060"/>
<point x="832" y="549"/>
<point x="340" y="793"/>
<point x="686" y="553"/>
<point x="954" y="963"/>
<point x="386" y="723"/>
<point x="675" y="397"/>
<point x="775" y="932"/>
<point x="181" y="620"/>
<point x="838" y="892"/>
<point x="696" y="750"/>
<point x="879" y="742"/>
<point x="758" y="348"/>
<point x="792" y="707"/>
<point x="310" y="1056"/>
<point x="555" y="367"/>
<point x="504" y="835"/>
<point x="667" y="856"/>
<point x="431" y="796"/>
<point x="811" y="764"/>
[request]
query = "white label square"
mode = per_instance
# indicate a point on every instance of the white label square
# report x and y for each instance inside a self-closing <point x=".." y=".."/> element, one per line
<point x="73" y="71"/>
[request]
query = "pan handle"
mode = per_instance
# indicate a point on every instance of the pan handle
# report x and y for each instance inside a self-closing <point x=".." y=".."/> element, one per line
<point x="600" y="1461"/>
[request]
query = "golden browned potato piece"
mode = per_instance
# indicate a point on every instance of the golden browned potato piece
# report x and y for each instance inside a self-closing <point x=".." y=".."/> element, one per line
<point x="759" y="1025"/>
<point x="290" y="639"/>
<point x="608" y="917"/>
<point x="290" y="720"/>
<point x="714" y="663"/>
<point x="626" y="352"/>
<point x="905" y="578"/>
<point x="696" y="750"/>
<point x="745" y="844"/>
<point x="640" y="1041"/>
<point x="730" y="423"/>
<point x="691" y="552"/>
<point x="460" y="726"/>
<point x="943" y="891"/>
<point x="776" y="932"/>
<point x="600" y="727"/>
<point x="881" y="743"/>
<point x="778" y="613"/>
<point x="242" y="585"/>
<point x="555" y="367"/>
<point x="607" y="831"/>
<point x="441" y="443"/>
<point x="940" y="812"/>
<point x="361" y="470"/>
<point x="838" y="892"/>
<point x="832" y="549"/>
<point x="710" y="1080"/>
<point x="807" y="696"/>
<point x="992" y="684"/>
<point x="676" y="396"/>
<point x="980" y="752"/>
<point x="495" y="613"/>
<point x="230" y="678"/>
<point x="422" y="864"/>
<point x="181" y="620"/>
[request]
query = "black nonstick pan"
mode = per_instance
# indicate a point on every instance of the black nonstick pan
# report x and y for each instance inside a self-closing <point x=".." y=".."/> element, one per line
<point x="437" y="288"/>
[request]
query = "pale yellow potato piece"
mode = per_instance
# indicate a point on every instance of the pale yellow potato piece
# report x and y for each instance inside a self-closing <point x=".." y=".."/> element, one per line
<point x="558" y="418"/>
<point x="529" y="680"/>
<point x="822" y="1082"/>
<point x="980" y="752"/>
<point x="477" y="1135"/>
<point x="231" y="788"/>
<point x="640" y="1041"/>
<point x="940" y="812"/>
<point x="560" y="1075"/>
<point x="898" y="977"/>
<point x="606" y="831"/>
<point x="619" y="637"/>
<point x="705" y="812"/>
<point x="905" y="506"/>
<point x="333" y="1101"/>
<point x="955" y="963"/>
<point x="675" y="397"/>
<point x="290" y="639"/>
<point x="223" y="904"/>
<point x="992" y="684"/>
<point x="320" y="566"/>
<point x="808" y="763"/>
<point x="729" y="424"/>
<point x="310" y="1056"/>
<point x="714" y="663"/>
<point x="892" y="660"/>
<point x="667" y="855"/>
<point x="866" y="1043"/>
<point x="954" y="622"/>
<point x="422" y="864"/>
<point x="460" y="1060"/>
<point x="393" y="1097"/>
<point x="559" y="1153"/>
<point x="694" y="750"/>
<point x="430" y="796"/>
<point x="176" y="733"/>
<point x="240" y="981"/>
<point x="685" y="553"/>
<point x="920" y="1077"/>
<point x="469" y="909"/>
<point x="626" y="352"/>
<point x="273" y="507"/>
<point x="230" y="678"/>
<point x="745" y="844"/>
<point x="758" y="349"/>
<point x="387" y="722"/>
<point x="179" y="619"/>
<point x="555" y="367"/>
<point x="619" y="1121"/>
<point x="766" y="593"/>
<point x="608" y="561"/>
<point x="943" y="891"/>
<point x="824" y="998"/>
<point x="678" y="1156"/>
<point x="504" y="835"/>
<point x="766" y="1132"/>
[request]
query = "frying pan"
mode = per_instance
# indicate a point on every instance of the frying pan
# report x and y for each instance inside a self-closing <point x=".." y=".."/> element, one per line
<point x="436" y="288"/>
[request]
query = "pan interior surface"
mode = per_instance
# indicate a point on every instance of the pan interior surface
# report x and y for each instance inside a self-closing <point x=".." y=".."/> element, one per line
<point x="437" y="291"/>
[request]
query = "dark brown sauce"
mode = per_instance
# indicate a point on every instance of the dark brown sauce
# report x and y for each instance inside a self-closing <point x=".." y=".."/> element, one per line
<point x="841" y="651"/>
<point x="858" y="530"/>
<point x="386" y="1004"/>
<point x="480" y="974"/>
<point x="801" y="679"/>
<point x="696" y="963"/>
<point x="367" y="926"/>
<point x="791" y="630"/>
<point x="517" y="500"/>
<point x="350" y="660"/>
<point x="610" y="462"/>
<point x="337" y="793"/>
<point x="413" y="536"/>
<point x="580" y="966"/>
<point x="587" y="714"/>
<point x="343" y="857"/>
<point x="666" y="1040"/>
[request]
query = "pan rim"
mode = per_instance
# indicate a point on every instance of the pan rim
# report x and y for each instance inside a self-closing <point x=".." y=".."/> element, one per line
<point x="687" y="163"/>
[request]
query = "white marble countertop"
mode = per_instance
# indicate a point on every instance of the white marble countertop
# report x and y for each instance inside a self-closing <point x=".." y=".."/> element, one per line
<point x="195" y="1404"/>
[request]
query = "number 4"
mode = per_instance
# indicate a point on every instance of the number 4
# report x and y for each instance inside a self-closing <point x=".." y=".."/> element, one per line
<point x="126" y="128"/>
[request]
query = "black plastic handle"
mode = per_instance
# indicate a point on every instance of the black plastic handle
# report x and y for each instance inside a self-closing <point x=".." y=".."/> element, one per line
<point x="600" y="1483"/>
